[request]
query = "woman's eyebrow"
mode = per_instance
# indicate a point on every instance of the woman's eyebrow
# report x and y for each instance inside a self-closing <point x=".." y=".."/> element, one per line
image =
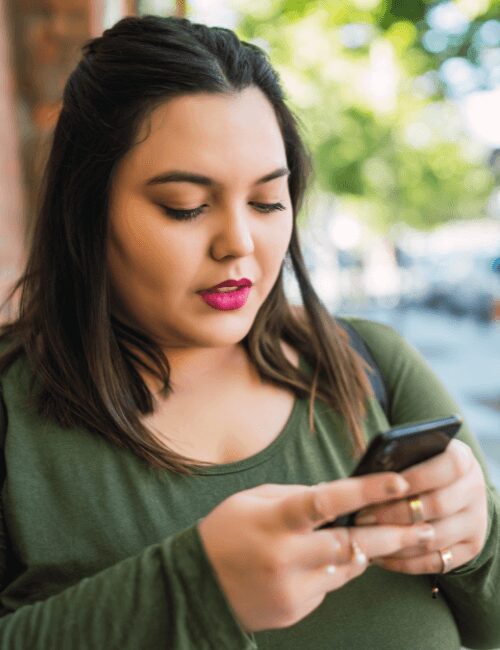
<point x="178" y="176"/>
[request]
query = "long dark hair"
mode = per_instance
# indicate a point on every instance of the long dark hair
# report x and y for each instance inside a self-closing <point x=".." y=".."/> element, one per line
<point x="85" y="360"/>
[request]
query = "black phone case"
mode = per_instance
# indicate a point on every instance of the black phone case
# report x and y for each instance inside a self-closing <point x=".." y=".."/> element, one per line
<point x="399" y="448"/>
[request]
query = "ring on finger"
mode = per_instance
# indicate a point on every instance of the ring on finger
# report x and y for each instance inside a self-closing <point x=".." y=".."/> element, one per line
<point x="416" y="510"/>
<point x="446" y="559"/>
<point x="357" y="554"/>
<point x="331" y="568"/>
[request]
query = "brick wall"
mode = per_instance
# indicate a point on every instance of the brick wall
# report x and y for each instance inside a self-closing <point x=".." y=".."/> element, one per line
<point x="48" y="38"/>
<point x="40" y="43"/>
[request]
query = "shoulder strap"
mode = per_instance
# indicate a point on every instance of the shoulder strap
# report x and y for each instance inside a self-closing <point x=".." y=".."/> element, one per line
<point x="3" y="431"/>
<point x="375" y="375"/>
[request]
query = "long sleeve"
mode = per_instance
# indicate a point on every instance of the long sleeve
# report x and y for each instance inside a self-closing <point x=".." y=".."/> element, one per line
<point x="472" y="590"/>
<point x="166" y="597"/>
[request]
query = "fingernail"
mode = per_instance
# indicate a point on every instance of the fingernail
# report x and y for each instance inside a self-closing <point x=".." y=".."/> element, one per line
<point x="396" y="485"/>
<point x="365" y="519"/>
<point x="426" y="534"/>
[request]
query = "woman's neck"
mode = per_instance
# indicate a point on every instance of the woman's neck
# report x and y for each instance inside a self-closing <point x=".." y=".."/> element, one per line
<point x="193" y="367"/>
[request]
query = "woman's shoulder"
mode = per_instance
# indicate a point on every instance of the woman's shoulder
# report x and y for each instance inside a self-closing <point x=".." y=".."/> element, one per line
<point x="375" y="333"/>
<point x="396" y="357"/>
<point x="390" y="350"/>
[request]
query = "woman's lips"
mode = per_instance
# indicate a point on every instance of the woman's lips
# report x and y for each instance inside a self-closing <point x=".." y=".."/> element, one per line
<point x="226" y="300"/>
<point x="243" y="282"/>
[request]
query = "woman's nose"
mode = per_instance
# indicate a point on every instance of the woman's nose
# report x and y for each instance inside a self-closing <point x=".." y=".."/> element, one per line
<point x="233" y="236"/>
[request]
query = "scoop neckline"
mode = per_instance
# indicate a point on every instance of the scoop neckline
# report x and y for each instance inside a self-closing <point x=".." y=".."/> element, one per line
<point x="262" y="455"/>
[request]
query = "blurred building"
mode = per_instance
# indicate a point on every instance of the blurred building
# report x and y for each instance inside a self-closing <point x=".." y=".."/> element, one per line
<point x="40" y="43"/>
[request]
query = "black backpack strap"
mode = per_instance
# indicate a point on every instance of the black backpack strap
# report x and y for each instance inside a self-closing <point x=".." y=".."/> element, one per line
<point x="375" y="375"/>
<point x="3" y="432"/>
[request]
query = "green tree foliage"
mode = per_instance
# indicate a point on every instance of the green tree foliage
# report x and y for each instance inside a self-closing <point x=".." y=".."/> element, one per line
<point x="365" y="79"/>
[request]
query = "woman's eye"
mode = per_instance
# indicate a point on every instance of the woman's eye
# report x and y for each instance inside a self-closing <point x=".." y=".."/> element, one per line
<point x="183" y="214"/>
<point x="192" y="214"/>
<point x="269" y="207"/>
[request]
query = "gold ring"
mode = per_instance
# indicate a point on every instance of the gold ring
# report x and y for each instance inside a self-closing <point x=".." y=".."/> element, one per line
<point x="357" y="554"/>
<point x="417" y="512"/>
<point x="446" y="558"/>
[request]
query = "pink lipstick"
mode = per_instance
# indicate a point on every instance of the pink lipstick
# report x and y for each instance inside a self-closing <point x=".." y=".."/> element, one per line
<point x="224" y="297"/>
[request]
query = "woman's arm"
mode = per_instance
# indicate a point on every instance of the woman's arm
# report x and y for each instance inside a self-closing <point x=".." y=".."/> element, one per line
<point x="473" y="589"/>
<point x="165" y="597"/>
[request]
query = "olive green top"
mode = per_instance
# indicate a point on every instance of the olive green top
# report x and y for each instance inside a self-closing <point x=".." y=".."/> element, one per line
<point x="99" y="552"/>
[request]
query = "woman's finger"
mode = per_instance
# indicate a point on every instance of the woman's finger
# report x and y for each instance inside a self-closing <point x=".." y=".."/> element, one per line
<point x="347" y="558"/>
<point x="317" y="504"/>
<point x="334" y="546"/>
<point x="429" y="562"/>
<point x="460" y="528"/>
<point x="316" y="580"/>
<point x="436" y="504"/>
<point x="441" y="470"/>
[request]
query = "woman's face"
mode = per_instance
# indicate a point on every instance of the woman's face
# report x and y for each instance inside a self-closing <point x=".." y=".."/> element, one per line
<point x="158" y="262"/>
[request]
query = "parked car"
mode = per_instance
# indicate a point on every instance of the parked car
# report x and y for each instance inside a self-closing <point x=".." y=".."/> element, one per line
<point x="466" y="284"/>
<point x="418" y="282"/>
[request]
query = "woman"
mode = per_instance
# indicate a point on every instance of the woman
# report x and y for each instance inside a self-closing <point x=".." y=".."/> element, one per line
<point x="161" y="480"/>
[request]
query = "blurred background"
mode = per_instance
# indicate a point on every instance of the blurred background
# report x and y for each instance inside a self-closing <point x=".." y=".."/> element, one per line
<point x="399" y="104"/>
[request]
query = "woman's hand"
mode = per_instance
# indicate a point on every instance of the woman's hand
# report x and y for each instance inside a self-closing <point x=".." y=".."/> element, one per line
<point x="452" y="492"/>
<point x="271" y="563"/>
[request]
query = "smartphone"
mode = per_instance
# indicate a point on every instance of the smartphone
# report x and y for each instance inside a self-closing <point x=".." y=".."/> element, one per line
<point x="402" y="447"/>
